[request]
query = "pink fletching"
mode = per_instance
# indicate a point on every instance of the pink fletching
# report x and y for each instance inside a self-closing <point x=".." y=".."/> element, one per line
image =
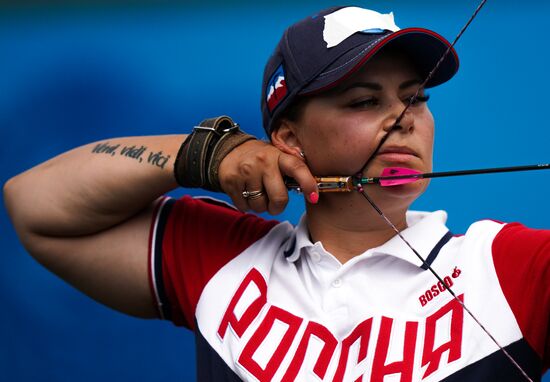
<point x="409" y="176"/>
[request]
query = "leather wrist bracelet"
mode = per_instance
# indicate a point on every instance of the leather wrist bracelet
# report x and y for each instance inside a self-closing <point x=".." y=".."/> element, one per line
<point x="200" y="155"/>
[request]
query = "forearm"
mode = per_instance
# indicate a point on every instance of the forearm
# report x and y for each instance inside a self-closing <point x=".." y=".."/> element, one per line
<point x="86" y="214"/>
<point x="92" y="187"/>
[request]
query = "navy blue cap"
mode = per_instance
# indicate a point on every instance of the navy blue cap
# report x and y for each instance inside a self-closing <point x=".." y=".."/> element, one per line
<point x="314" y="55"/>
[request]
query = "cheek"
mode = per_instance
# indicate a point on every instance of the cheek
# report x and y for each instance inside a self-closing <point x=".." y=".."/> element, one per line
<point x="337" y="145"/>
<point x="427" y="136"/>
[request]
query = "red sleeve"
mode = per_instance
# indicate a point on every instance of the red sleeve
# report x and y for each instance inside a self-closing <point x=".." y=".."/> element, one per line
<point x="191" y="239"/>
<point x="522" y="260"/>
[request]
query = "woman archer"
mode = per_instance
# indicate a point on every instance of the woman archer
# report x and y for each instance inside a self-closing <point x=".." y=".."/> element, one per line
<point x="337" y="297"/>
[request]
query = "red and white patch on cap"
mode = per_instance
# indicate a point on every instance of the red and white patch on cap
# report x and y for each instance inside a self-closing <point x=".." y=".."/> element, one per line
<point x="276" y="90"/>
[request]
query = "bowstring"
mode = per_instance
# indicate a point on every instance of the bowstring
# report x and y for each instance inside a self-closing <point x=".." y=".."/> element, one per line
<point x="412" y="100"/>
<point x="361" y="190"/>
<point x="448" y="288"/>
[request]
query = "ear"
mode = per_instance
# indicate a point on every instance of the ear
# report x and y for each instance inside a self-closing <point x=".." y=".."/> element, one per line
<point x="284" y="137"/>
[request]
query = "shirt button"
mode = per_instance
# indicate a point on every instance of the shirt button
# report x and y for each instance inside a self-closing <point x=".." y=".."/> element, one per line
<point x="316" y="257"/>
<point x="337" y="283"/>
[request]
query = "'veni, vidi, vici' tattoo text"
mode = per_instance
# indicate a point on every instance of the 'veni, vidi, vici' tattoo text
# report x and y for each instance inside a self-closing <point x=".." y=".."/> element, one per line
<point x="138" y="153"/>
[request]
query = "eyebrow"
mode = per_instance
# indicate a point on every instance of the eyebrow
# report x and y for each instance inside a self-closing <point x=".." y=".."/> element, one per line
<point x="377" y="86"/>
<point x="368" y="85"/>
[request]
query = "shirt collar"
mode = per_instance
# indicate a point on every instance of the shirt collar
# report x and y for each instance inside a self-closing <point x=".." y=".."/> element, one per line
<point x="425" y="230"/>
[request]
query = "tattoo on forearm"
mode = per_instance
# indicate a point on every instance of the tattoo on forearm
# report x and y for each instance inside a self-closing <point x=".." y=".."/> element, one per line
<point x="133" y="152"/>
<point x="105" y="148"/>
<point x="158" y="159"/>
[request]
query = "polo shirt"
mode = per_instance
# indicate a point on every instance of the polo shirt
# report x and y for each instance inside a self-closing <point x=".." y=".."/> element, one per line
<point x="266" y="303"/>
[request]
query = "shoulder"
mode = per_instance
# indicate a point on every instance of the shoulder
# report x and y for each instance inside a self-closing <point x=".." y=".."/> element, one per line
<point x="508" y="241"/>
<point x="211" y="214"/>
<point x="510" y="237"/>
<point x="191" y="240"/>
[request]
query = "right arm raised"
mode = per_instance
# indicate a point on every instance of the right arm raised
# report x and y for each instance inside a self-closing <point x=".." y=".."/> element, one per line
<point x="86" y="215"/>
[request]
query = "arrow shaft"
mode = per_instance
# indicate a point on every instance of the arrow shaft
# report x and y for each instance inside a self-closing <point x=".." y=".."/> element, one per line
<point x="442" y="174"/>
<point x="348" y="183"/>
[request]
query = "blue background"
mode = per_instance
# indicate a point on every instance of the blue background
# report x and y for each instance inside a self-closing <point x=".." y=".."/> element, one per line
<point x="71" y="74"/>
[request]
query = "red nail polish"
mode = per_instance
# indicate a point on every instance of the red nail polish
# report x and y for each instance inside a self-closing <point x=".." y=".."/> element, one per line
<point x="314" y="197"/>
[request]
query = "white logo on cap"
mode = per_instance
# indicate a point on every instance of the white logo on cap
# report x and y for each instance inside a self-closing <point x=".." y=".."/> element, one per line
<point x="344" y="22"/>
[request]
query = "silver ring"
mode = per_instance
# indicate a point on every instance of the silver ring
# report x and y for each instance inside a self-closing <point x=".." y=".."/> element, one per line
<point x="251" y="195"/>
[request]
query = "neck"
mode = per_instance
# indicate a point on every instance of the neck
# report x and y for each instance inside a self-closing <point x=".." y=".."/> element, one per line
<point x="348" y="225"/>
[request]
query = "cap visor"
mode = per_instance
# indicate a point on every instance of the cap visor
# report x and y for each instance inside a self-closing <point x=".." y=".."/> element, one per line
<point x="423" y="46"/>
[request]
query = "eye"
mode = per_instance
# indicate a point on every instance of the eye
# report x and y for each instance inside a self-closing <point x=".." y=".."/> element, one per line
<point x="365" y="103"/>
<point x="421" y="98"/>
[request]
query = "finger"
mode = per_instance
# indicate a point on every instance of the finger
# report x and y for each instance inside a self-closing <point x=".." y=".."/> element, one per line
<point x="235" y="192"/>
<point x="239" y="202"/>
<point x="297" y="169"/>
<point x="277" y="194"/>
<point x="257" y="202"/>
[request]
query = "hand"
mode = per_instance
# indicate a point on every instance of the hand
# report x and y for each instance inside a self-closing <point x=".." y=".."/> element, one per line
<point x="260" y="166"/>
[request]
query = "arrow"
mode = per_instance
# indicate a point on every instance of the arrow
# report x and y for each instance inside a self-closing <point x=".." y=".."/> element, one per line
<point x="394" y="176"/>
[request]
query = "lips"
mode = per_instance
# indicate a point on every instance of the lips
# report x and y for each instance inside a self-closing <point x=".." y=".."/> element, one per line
<point x="397" y="150"/>
<point x="399" y="154"/>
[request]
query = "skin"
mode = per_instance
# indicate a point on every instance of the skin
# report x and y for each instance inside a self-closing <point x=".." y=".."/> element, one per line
<point x="340" y="130"/>
<point x="86" y="214"/>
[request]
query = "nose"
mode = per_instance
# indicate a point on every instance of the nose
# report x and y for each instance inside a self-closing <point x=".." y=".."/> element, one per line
<point x="400" y="119"/>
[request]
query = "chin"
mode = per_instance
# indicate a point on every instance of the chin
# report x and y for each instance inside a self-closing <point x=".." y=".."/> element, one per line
<point x="405" y="192"/>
